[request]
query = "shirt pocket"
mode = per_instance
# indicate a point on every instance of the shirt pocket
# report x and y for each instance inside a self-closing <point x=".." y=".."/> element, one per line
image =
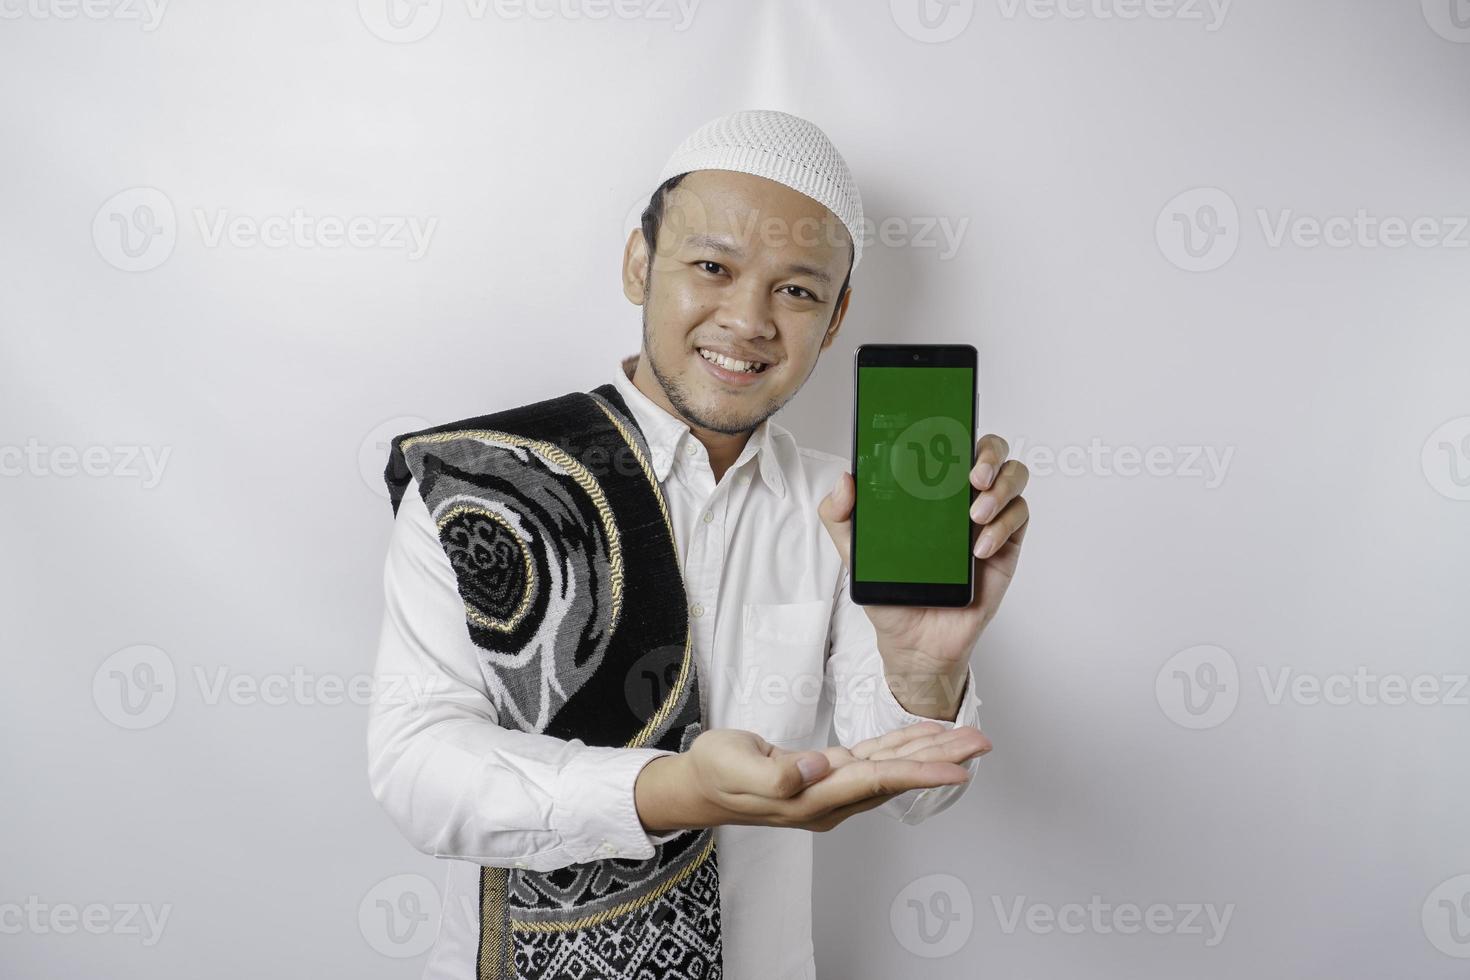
<point x="783" y="658"/>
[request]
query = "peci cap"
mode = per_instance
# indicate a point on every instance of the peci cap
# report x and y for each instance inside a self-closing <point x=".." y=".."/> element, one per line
<point x="780" y="147"/>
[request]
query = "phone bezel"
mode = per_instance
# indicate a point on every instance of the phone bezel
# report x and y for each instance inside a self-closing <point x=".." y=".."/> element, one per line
<point x="911" y="593"/>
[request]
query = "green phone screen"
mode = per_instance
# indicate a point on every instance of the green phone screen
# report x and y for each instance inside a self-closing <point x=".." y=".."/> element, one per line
<point x="914" y="453"/>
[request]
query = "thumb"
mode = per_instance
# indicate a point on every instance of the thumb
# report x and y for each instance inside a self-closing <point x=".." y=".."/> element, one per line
<point x="771" y="771"/>
<point x="835" y="510"/>
<point x="813" y="765"/>
<point x="810" y="765"/>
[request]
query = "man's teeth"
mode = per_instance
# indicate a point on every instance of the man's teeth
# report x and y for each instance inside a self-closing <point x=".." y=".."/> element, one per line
<point x="730" y="364"/>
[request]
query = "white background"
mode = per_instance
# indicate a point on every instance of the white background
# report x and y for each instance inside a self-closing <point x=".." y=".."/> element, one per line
<point x="1333" y="542"/>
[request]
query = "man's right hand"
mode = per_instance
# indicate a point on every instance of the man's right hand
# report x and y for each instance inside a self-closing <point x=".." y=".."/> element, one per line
<point x="730" y="776"/>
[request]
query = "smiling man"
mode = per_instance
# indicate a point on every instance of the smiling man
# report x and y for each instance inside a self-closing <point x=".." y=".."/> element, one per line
<point x="624" y="613"/>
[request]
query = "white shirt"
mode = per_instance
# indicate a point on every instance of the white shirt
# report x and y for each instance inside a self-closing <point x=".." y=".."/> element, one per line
<point x="771" y="620"/>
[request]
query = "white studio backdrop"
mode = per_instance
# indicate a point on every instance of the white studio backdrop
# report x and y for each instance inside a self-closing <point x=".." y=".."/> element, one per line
<point x="1214" y="257"/>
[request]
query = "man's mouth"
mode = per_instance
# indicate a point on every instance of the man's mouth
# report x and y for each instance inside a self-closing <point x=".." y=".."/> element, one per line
<point x="731" y="363"/>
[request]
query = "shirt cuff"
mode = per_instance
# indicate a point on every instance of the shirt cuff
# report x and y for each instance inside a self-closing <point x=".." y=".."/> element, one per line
<point x="595" y="811"/>
<point x="889" y="714"/>
<point x="918" y="804"/>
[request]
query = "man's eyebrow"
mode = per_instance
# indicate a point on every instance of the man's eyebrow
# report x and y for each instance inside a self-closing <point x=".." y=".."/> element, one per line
<point x="714" y="244"/>
<point x="725" y="247"/>
<point x="819" y="275"/>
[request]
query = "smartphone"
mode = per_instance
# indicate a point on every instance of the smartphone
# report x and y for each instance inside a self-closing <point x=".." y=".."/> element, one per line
<point x="913" y="446"/>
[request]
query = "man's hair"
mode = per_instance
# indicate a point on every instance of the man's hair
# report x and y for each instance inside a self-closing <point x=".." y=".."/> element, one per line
<point x="653" y="217"/>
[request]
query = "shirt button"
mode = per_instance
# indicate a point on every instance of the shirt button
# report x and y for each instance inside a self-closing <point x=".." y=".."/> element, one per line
<point x="708" y="516"/>
<point x="696" y="610"/>
<point x="690" y="449"/>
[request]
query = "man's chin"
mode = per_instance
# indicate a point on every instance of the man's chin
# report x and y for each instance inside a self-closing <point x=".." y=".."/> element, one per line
<point x="716" y="414"/>
<point x="704" y="401"/>
<point x="723" y="424"/>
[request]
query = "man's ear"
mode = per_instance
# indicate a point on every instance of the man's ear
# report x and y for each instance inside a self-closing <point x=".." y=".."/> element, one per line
<point x="635" y="267"/>
<point x="837" y="316"/>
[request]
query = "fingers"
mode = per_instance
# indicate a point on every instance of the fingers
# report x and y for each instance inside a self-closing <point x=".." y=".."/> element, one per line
<point x="990" y="452"/>
<point x="865" y="778"/>
<point x="999" y="512"/>
<point x="895" y="738"/>
<point x="839" y="756"/>
<point x="956" y="745"/>
<point x="1006" y="487"/>
<point x="1009" y="525"/>
<point x="836" y="754"/>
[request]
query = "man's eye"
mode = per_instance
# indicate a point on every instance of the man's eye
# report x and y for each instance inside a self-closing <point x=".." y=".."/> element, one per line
<point x="717" y="268"/>
<point x="806" y="293"/>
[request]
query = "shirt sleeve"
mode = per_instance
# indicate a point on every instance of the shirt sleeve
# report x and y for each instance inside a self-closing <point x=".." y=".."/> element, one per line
<point x="864" y="706"/>
<point x="455" y="782"/>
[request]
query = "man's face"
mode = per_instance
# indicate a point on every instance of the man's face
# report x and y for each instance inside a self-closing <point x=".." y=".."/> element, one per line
<point x="745" y="267"/>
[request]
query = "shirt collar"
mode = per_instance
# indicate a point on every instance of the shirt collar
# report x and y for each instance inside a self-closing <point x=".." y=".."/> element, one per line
<point x="662" y="431"/>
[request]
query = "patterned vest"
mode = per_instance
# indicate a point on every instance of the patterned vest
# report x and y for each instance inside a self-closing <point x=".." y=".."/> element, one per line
<point x="564" y="555"/>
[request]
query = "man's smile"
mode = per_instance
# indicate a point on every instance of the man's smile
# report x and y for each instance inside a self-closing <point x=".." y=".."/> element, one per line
<point x="729" y="369"/>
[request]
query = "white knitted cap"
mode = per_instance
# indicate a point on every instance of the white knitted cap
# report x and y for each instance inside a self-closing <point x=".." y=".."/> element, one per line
<point x="780" y="147"/>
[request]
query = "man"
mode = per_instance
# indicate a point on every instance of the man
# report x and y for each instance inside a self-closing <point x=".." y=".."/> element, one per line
<point x="742" y="269"/>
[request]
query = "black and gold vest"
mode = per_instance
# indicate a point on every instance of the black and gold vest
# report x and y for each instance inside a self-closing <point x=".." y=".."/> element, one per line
<point x="563" y="552"/>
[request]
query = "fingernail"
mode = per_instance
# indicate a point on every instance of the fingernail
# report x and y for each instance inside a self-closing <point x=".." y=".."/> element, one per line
<point x="982" y="546"/>
<point x="983" y="510"/>
<point x="809" y="767"/>
<point x="986" y="475"/>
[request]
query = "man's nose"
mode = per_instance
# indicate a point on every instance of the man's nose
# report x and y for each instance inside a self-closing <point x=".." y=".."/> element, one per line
<point x="746" y="311"/>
